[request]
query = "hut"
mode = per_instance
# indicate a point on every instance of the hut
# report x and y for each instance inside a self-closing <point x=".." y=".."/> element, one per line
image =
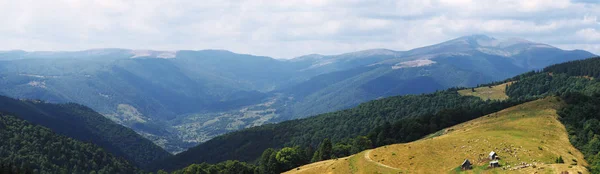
<point x="493" y="155"/>
<point x="494" y="164"/>
<point x="466" y="165"/>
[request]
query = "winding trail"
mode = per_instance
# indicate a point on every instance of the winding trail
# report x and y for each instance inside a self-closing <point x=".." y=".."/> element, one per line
<point x="367" y="156"/>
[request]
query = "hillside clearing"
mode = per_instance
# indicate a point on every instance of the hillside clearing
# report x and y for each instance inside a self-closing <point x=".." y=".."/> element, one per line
<point x="497" y="92"/>
<point x="528" y="139"/>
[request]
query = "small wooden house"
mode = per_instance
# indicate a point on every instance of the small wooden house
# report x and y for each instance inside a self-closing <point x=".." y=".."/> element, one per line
<point x="493" y="155"/>
<point x="466" y="165"/>
<point x="494" y="164"/>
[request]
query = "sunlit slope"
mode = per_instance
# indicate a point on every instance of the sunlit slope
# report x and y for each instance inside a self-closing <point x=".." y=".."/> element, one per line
<point x="527" y="134"/>
<point x="497" y="92"/>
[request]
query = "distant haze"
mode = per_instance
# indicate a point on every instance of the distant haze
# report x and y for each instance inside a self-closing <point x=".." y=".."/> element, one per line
<point x="287" y="29"/>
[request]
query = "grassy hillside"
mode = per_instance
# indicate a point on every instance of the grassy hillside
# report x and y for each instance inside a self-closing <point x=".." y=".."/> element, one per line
<point x="525" y="134"/>
<point x="496" y="92"/>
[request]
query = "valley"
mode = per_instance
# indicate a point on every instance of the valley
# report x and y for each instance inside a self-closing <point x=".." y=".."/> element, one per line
<point x="179" y="99"/>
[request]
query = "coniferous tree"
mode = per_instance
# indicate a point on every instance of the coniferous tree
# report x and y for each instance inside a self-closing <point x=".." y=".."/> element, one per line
<point x="324" y="151"/>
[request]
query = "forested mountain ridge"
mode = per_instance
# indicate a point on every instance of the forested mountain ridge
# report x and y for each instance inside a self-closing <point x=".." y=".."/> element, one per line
<point x="465" y="61"/>
<point x="27" y="148"/>
<point x="180" y="98"/>
<point x="391" y="120"/>
<point x="84" y="124"/>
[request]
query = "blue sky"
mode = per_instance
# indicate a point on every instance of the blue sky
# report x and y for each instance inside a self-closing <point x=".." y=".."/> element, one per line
<point x="290" y="28"/>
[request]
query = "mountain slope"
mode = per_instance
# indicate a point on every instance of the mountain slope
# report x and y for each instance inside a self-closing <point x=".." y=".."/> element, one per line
<point x="29" y="148"/>
<point x="389" y="120"/>
<point x="527" y="134"/>
<point x="178" y="99"/>
<point x="84" y="124"/>
<point x="465" y="61"/>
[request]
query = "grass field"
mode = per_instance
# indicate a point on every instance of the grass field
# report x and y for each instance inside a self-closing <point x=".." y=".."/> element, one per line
<point x="497" y="92"/>
<point x="527" y="134"/>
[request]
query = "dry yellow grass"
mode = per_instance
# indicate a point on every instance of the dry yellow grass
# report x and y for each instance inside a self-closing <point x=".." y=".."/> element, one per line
<point x="497" y="92"/>
<point x="529" y="133"/>
<point x="357" y="163"/>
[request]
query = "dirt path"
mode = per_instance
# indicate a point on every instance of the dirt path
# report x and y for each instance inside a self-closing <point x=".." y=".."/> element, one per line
<point x="367" y="156"/>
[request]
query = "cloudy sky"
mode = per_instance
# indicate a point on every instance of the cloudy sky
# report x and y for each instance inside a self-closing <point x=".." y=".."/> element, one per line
<point x="290" y="28"/>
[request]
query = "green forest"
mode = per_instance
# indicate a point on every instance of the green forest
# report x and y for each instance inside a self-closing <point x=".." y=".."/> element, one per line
<point x="86" y="125"/>
<point x="27" y="148"/>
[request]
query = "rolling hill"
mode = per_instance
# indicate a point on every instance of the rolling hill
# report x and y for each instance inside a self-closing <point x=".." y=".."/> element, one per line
<point x="528" y="138"/>
<point x="178" y="99"/>
<point x="28" y="148"/>
<point x="85" y="125"/>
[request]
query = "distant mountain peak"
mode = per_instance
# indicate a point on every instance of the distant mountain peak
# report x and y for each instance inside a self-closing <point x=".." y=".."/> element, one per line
<point x="308" y="57"/>
<point x="371" y="52"/>
<point x="491" y="42"/>
<point x="151" y="53"/>
<point x="478" y="37"/>
<point x="473" y="41"/>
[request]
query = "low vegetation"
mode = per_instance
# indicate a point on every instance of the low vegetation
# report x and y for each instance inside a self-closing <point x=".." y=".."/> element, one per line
<point x="495" y="92"/>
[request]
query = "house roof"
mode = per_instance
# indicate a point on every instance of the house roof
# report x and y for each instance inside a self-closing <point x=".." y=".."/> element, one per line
<point x="466" y="162"/>
<point x="492" y="153"/>
<point x="494" y="162"/>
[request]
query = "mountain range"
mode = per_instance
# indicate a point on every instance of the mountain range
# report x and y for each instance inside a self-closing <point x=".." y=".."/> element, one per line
<point x="373" y="111"/>
<point x="178" y="99"/>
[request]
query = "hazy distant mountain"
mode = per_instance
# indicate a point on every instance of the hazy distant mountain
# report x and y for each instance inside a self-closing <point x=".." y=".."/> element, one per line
<point x="180" y="98"/>
<point x="370" y="74"/>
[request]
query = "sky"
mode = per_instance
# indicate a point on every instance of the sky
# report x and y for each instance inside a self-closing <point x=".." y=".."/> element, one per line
<point x="290" y="28"/>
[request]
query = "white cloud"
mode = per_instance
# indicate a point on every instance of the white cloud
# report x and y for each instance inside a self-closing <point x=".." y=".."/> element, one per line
<point x="288" y="28"/>
<point x="589" y="34"/>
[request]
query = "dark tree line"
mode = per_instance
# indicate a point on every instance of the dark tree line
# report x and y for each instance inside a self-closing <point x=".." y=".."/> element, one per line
<point x="581" y="117"/>
<point x="543" y="84"/>
<point x="273" y="161"/>
<point x="587" y="67"/>
<point x="414" y="128"/>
